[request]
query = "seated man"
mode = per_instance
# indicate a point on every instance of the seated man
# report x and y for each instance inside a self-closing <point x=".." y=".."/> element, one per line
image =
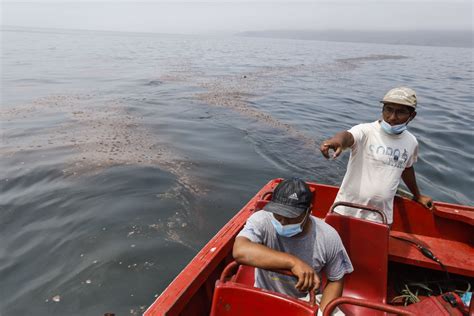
<point x="284" y="235"/>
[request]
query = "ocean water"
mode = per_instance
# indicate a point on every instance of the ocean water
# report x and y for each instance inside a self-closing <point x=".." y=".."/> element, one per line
<point x="122" y="154"/>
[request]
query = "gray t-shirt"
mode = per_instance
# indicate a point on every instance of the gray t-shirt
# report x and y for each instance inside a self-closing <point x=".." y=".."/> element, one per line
<point x="321" y="248"/>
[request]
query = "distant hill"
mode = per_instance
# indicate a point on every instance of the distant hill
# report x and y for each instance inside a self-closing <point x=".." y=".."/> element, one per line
<point x="422" y="38"/>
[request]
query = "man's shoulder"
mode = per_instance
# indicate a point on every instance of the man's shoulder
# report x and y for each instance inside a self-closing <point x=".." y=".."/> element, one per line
<point x="410" y="137"/>
<point x="364" y="127"/>
<point x="324" y="229"/>
<point x="260" y="219"/>
<point x="257" y="226"/>
<point x="368" y="124"/>
<point x="258" y="216"/>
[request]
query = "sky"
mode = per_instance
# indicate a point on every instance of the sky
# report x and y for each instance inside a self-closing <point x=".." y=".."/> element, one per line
<point x="194" y="16"/>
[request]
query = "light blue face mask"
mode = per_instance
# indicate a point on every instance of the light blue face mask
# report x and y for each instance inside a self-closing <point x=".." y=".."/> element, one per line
<point x="289" y="230"/>
<point x="395" y="129"/>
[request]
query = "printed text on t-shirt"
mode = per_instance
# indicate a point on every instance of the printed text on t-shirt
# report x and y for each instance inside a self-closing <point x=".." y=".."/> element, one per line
<point x="389" y="156"/>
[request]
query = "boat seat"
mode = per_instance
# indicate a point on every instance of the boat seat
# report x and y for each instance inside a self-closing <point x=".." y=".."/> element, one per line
<point x="235" y="296"/>
<point x="405" y="252"/>
<point x="366" y="243"/>
<point x="245" y="275"/>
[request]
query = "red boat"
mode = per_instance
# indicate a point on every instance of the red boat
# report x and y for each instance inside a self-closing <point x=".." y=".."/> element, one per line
<point x="434" y="246"/>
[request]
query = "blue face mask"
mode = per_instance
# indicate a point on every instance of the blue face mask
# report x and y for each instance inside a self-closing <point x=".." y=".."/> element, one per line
<point x="395" y="129"/>
<point x="289" y="230"/>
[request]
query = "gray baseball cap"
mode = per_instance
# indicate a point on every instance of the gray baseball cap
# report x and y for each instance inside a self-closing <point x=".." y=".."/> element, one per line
<point x="401" y="95"/>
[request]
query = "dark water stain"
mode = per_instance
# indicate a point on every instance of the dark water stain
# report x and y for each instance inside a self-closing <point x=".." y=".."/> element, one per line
<point x="154" y="83"/>
<point x="371" y="58"/>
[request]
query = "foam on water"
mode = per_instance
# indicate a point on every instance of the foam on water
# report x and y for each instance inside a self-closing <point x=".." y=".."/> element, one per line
<point x="97" y="134"/>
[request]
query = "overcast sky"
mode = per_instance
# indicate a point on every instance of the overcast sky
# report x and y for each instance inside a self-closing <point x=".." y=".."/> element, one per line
<point x="194" y="16"/>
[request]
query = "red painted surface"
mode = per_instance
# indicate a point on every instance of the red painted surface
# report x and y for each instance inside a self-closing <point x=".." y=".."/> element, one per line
<point x="447" y="232"/>
<point x="434" y="305"/>
<point x="234" y="299"/>
<point x="368" y="304"/>
<point x="362" y="239"/>
<point x="456" y="256"/>
<point x="235" y="295"/>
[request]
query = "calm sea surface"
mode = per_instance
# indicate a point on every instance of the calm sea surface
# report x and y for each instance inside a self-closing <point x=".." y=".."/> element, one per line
<point x="122" y="154"/>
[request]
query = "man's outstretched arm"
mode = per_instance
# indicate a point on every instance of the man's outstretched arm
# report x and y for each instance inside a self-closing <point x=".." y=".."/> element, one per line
<point x="338" y="143"/>
<point x="260" y="256"/>
<point x="408" y="176"/>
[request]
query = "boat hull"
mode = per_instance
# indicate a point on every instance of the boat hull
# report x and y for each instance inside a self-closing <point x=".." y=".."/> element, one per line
<point x="447" y="230"/>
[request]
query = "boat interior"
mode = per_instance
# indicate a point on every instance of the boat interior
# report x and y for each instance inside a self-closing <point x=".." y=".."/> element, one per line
<point x="420" y="265"/>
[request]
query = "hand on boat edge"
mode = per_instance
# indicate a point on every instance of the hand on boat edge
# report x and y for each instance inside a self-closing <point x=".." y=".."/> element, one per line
<point x="425" y="200"/>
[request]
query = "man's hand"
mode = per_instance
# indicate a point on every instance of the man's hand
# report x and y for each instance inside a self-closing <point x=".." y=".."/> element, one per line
<point x="307" y="277"/>
<point x="425" y="200"/>
<point x="331" y="144"/>
<point x="338" y="143"/>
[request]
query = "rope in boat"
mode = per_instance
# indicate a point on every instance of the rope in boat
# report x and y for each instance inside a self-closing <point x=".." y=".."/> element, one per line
<point x="412" y="290"/>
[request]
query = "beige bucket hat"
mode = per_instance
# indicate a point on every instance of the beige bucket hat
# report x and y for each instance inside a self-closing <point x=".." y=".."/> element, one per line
<point x="401" y="95"/>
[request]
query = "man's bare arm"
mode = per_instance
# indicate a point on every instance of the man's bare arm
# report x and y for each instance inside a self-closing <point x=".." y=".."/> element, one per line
<point x="332" y="290"/>
<point x="408" y="176"/>
<point x="260" y="256"/>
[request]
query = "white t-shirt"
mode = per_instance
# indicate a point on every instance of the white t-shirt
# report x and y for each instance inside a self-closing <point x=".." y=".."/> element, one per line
<point x="374" y="170"/>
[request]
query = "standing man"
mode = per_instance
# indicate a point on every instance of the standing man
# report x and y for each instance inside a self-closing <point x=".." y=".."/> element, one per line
<point x="284" y="235"/>
<point x="382" y="152"/>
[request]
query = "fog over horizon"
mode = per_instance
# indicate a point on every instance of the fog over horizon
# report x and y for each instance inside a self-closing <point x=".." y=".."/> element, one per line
<point x="196" y="17"/>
